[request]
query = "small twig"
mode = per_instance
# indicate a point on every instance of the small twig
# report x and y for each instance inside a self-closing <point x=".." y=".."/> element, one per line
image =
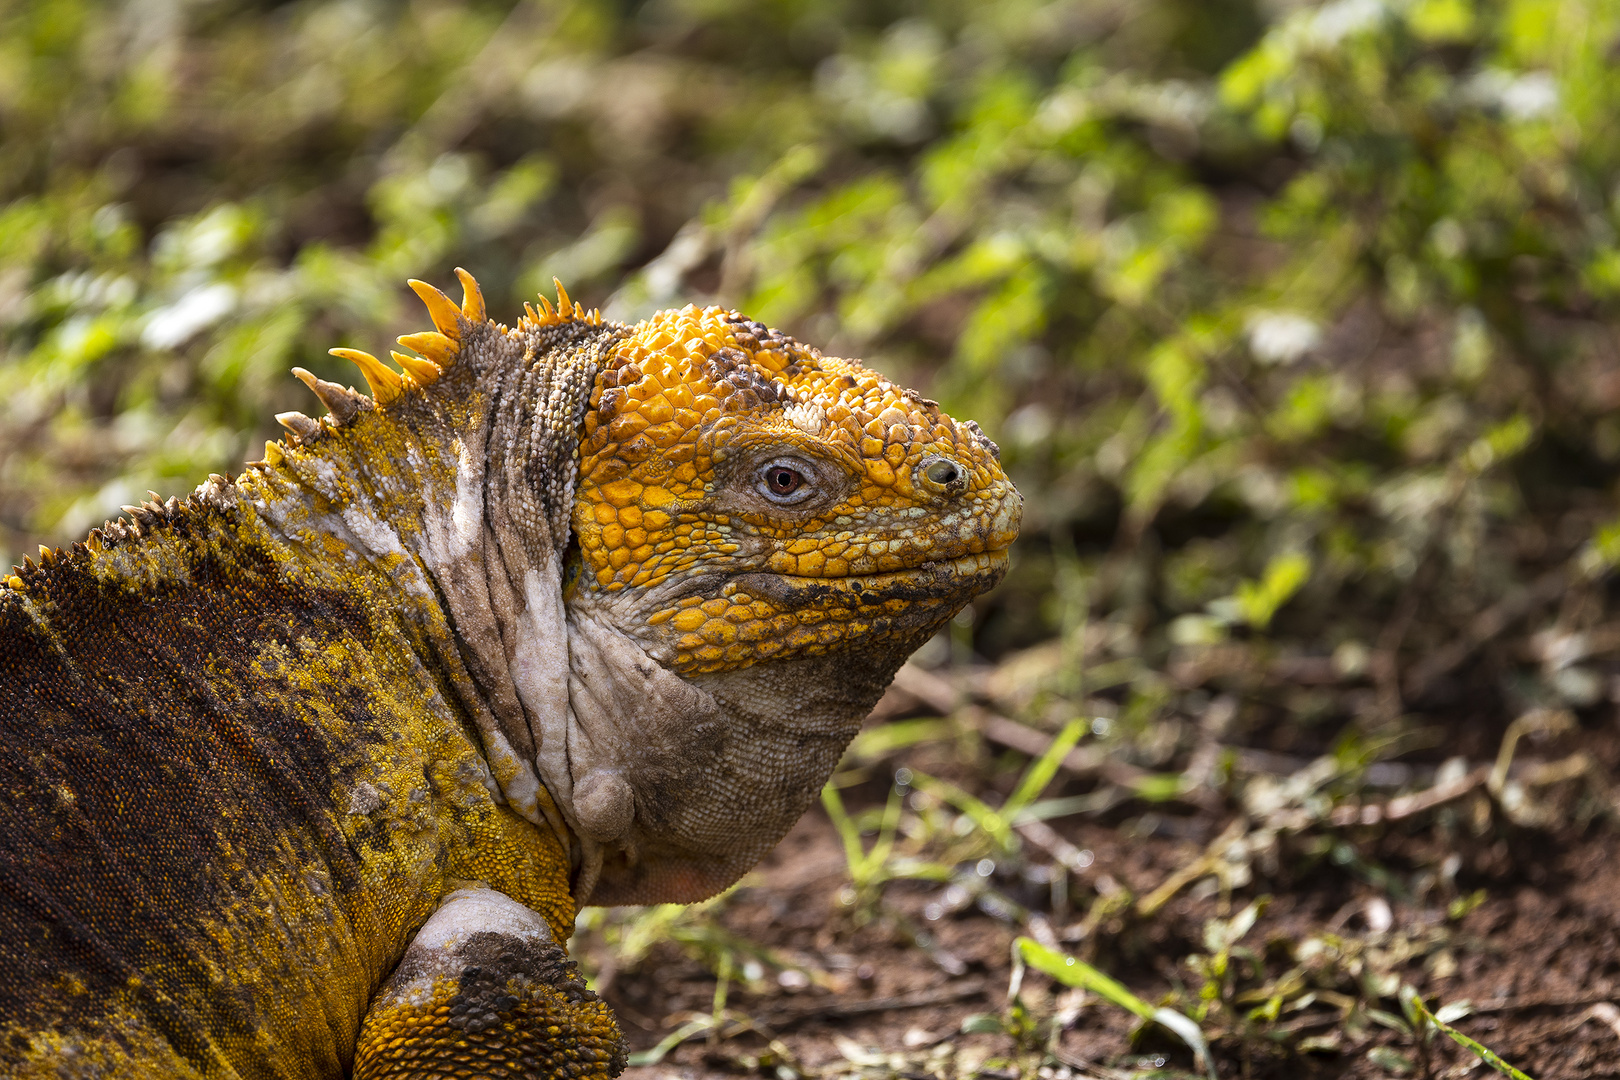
<point x="940" y="695"/>
<point x="1603" y="1011"/>
<point x="839" y="1008"/>
<point x="935" y="691"/>
<point x="1194" y="870"/>
<point x="1536" y="721"/>
<point x="1405" y="806"/>
<point x="1531" y="1004"/>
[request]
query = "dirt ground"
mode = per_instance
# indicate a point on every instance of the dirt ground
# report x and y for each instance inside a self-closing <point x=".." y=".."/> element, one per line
<point x="1525" y="929"/>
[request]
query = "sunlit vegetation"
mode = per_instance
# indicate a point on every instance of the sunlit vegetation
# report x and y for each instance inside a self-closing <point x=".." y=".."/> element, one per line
<point x="1294" y="322"/>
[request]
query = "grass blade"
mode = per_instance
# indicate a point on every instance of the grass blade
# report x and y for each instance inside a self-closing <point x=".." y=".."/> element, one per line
<point x="875" y="743"/>
<point x="977" y="810"/>
<point x="1413" y="1002"/>
<point x="671" y="1041"/>
<point x="1072" y="972"/>
<point x="847" y="832"/>
<point x="1043" y="768"/>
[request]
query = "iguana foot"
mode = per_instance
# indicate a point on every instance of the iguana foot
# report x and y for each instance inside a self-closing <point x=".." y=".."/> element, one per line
<point x="485" y="991"/>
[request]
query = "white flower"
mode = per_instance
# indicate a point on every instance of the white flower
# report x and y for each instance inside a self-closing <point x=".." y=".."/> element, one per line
<point x="1526" y="96"/>
<point x="1281" y="337"/>
<point x="195" y="311"/>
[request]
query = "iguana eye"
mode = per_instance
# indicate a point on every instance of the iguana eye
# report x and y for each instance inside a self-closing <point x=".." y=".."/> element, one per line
<point x="785" y="482"/>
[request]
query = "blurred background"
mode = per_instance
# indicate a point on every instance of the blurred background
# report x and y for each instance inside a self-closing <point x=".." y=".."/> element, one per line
<point x="1295" y="322"/>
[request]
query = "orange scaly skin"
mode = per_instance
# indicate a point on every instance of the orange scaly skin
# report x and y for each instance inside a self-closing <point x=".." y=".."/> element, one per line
<point x="682" y="397"/>
<point x="308" y="775"/>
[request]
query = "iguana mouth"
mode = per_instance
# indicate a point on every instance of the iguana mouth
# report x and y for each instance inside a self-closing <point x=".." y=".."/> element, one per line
<point x="943" y="574"/>
<point x="938" y="580"/>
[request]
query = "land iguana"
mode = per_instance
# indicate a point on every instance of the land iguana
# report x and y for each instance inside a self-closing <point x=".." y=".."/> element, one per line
<point x="306" y="775"/>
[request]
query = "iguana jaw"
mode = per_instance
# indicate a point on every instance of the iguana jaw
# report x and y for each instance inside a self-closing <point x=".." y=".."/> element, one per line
<point x="677" y="785"/>
<point x="732" y="621"/>
<point x="675" y="781"/>
<point x="678" y="780"/>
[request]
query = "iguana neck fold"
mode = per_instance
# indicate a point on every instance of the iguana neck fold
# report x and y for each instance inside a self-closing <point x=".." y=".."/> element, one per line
<point x="465" y="491"/>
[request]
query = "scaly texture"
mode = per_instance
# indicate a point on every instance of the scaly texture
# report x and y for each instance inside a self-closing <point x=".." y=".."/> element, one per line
<point x="484" y="990"/>
<point x="564" y="612"/>
<point x="692" y="392"/>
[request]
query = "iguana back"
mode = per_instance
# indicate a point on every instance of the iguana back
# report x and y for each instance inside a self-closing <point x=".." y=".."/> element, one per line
<point x="231" y="789"/>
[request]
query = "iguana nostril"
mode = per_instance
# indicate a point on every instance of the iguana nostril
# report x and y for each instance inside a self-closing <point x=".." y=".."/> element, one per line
<point x="943" y="472"/>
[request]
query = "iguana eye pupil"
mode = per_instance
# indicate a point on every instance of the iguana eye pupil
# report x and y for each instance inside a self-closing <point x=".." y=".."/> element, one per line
<point x="782" y="480"/>
<point x="785" y="481"/>
<point x="943" y="472"/>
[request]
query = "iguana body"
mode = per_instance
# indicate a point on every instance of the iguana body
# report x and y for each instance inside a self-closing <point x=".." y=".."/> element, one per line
<point x="573" y="612"/>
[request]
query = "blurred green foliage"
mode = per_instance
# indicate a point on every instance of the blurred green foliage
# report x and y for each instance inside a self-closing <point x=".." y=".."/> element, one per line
<point x="1294" y="321"/>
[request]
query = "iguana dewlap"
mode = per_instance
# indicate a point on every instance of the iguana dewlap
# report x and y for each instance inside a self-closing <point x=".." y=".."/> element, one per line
<point x="308" y="774"/>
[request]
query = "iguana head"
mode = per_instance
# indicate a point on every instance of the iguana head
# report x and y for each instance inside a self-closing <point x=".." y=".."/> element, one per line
<point x="683" y="558"/>
<point x="742" y="500"/>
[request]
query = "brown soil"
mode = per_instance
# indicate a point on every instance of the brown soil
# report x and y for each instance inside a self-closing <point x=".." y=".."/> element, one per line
<point x="1534" y="957"/>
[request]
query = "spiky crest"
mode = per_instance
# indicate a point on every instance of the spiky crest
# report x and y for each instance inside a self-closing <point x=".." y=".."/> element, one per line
<point x="422" y="372"/>
<point x="344" y="404"/>
<point x="566" y="311"/>
<point x="441" y="309"/>
<point x="436" y="351"/>
<point x="305" y="427"/>
<point x="385" y="383"/>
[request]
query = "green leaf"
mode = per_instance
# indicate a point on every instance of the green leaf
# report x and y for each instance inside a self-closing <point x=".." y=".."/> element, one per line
<point x="1042" y="769"/>
<point x="1258" y="602"/>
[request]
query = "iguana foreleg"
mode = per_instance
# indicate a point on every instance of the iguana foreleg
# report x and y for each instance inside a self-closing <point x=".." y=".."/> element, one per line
<point x="485" y="990"/>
